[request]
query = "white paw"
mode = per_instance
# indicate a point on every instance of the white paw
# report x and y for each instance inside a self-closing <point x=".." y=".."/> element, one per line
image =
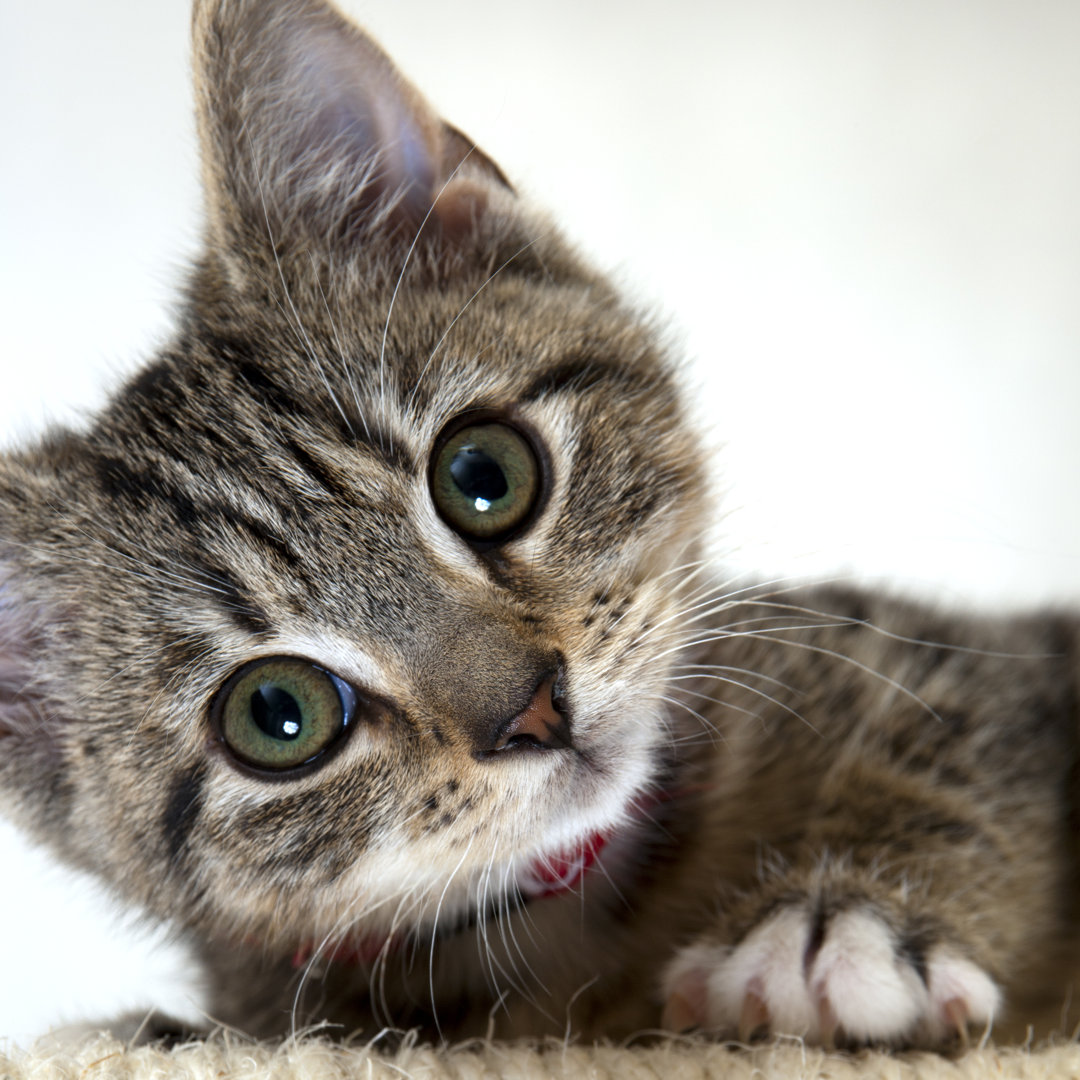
<point x="853" y="983"/>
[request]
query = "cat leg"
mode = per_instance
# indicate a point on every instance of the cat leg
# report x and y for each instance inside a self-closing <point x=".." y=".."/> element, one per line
<point x="891" y="920"/>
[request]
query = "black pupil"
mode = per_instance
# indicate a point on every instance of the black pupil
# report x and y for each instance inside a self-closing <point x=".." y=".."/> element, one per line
<point x="478" y="475"/>
<point x="276" y="712"/>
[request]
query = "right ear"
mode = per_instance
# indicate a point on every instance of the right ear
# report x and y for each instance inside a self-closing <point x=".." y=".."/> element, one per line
<point x="310" y="137"/>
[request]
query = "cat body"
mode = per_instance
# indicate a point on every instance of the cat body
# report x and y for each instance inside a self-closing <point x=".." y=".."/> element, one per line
<point x="921" y="810"/>
<point x="366" y="637"/>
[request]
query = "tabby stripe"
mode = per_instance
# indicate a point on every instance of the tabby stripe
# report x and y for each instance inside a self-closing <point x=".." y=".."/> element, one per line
<point x="141" y="488"/>
<point x="272" y="392"/>
<point x="60" y="800"/>
<point x="279" y="397"/>
<point x="321" y="473"/>
<point x="580" y="375"/>
<point x="356" y="434"/>
<point x="122" y="483"/>
<point x="182" y="810"/>
<point x="263" y="536"/>
<point x="182" y="656"/>
<point x="234" y="599"/>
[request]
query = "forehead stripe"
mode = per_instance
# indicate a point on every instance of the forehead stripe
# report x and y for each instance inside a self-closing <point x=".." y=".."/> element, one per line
<point x="581" y="375"/>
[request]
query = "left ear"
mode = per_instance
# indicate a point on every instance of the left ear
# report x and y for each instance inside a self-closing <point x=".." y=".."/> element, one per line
<point x="311" y="136"/>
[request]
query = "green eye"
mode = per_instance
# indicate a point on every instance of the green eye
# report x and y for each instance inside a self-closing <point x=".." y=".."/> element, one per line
<point x="281" y="712"/>
<point x="485" y="481"/>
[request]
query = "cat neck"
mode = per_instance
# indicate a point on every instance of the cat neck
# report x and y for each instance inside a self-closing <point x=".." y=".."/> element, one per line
<point x="547" y="877"/>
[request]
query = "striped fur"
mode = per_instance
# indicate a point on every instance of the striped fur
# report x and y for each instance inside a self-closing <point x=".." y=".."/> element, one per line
<point x="261" y="488"/>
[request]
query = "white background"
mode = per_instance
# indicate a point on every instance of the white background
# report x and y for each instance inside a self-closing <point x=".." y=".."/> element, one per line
<point x="862" y="217"/>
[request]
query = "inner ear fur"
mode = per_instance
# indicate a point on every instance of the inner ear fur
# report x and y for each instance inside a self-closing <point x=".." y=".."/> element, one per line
<point x="310" y="135"/>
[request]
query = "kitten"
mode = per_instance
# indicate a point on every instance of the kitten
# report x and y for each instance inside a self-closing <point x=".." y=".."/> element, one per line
<point x="366" y="636"/>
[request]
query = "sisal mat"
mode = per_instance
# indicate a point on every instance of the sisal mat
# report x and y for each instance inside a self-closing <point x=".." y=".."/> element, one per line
<point x="103" y="1058"/>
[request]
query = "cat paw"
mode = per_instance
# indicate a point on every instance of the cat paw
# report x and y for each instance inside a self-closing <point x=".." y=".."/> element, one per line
<point x="847" y="981"/>
<point x="137" y="1028"/>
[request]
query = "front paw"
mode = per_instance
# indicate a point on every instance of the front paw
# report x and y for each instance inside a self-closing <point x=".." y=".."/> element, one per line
<point x="847" y="978"/>
<point x="137" y="1028"/>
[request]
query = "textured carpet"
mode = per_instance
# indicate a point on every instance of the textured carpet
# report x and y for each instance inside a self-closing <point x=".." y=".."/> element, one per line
<point x="103" y="1058"/>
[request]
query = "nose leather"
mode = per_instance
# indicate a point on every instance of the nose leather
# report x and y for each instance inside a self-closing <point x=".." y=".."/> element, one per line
<point x="539" y="725"/>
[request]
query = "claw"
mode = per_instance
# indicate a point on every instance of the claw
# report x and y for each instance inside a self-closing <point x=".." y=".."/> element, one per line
<point x="828" y="1021"/>
<point x="687" y="1004"/>
<point x="754" y="1015"/>
<point x="679" y="1014"/>
<point x="956" y="1016"/>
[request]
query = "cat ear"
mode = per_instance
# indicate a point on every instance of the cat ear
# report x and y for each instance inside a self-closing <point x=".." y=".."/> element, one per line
<point x="310" y="135"/>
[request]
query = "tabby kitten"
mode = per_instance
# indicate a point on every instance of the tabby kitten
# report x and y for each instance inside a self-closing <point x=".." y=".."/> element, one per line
<point x="365" y="636"/>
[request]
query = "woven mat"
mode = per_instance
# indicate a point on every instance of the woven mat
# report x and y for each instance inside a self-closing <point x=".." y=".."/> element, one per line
<point x="102" y="1058"/>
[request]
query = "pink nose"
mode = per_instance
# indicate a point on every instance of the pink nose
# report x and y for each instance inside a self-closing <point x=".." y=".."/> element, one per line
<point x="539" y="725"/>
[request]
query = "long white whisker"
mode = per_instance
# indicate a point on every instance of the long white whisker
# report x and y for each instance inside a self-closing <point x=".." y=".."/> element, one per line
<point x="465" y="307"/>
<point x="726" y="632"/>
<point x="297" y="322"/>
<point x="705" y="669"/>
<point x="893" y="636"/>
<point x="346" y="369"/>
<point x="881" y="676"/>
<point x="401" y="278"/>
<point x="743" y="686"/>
<point x="435" y="930"/>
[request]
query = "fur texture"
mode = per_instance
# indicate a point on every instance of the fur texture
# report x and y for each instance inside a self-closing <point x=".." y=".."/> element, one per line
<point x="824" y="814"/>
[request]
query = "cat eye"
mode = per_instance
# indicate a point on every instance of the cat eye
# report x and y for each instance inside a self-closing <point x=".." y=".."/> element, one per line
<point x="485" y="481"/>
<point x="281" y="712"/>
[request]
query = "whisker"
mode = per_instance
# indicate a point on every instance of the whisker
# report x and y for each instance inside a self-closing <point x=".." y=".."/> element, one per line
<point x="296" y="323"/>
<point x="401" y="278"/>
<point x="879" y="675"/>
<point x="435" y="931"/>
<point x="705" y="723"/>
<point x="749" y="672"/>
<point x="345" y="367"/>
<point x="893" y="636"/>
<point x="750" y="689"/>
<point x="726" y="632"/>
<point x="465" y="307"/>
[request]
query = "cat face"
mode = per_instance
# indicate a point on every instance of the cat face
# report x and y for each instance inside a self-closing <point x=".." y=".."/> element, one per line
<point x="359" y="598"/>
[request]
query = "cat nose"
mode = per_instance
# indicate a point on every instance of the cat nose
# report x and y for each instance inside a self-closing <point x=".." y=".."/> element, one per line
<point x="539" y="726"/>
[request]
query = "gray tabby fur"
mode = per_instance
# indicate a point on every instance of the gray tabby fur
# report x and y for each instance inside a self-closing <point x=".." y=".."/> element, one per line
<point x="810" y="793"/>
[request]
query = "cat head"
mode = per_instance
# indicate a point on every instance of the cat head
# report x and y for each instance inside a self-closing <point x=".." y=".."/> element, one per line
<point x="364" y="587"/>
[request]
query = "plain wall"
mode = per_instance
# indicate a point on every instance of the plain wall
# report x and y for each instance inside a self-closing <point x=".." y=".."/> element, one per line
<point x="860" y="218"/>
